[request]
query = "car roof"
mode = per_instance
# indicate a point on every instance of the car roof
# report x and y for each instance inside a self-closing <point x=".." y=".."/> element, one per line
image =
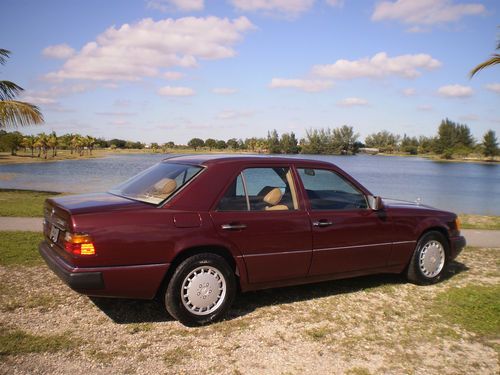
<point x="210" y="159"/>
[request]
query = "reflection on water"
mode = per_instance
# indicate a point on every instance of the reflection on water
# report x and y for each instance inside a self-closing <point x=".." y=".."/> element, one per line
<point x="460" y="187"/>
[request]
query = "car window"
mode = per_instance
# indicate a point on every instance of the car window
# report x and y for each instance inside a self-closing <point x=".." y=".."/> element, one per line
<point x="260" y="189"/>
<point x="327" y="190"/>
<point x="157" y="183"/>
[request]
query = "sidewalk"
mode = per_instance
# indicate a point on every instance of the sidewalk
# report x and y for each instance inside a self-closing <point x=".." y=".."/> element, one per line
<point x="474" y="237"/>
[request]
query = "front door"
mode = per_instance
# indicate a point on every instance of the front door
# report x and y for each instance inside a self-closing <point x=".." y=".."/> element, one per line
<point x="347" y="235"/>
<point x="259" y="214"/>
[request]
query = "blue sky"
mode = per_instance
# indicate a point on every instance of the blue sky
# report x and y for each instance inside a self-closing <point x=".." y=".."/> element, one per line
<point x="171" y="70"/>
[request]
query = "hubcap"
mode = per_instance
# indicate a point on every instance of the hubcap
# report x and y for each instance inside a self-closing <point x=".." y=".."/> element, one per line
<point x="203" y="290"/>
<point x="431" y="260"/>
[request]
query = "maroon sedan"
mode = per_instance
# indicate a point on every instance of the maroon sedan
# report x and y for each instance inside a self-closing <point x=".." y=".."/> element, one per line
<point x="194" y="230"/>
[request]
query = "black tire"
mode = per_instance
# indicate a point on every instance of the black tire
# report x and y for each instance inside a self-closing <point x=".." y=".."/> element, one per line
<point x="209" y="300"/>
<point x="429" y="259"/>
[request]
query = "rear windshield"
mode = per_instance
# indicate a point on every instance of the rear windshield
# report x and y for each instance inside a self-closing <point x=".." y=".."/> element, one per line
<point x="157" y="183"/>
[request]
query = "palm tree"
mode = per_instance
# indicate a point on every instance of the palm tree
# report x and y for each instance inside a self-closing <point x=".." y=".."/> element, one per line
<point x="15" y="113"/>
<point x="41" y="143"/>
<point x="29" y="142"/>
<point x="52" y="142"/>
<point x="493" y="60"/>
<point x="89" y="143"/>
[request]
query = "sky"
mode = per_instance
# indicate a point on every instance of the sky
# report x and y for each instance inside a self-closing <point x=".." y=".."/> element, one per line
<point x="171" y="70"/>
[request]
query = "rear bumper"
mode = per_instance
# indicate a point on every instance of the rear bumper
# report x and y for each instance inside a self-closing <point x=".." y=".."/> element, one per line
<point x="456" y="246"/>
<point x="138" y="281"/>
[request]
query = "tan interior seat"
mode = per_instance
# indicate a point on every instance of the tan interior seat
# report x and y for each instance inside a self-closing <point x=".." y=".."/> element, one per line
<point x="272" y="199"/>
<point x="165" y="187"/>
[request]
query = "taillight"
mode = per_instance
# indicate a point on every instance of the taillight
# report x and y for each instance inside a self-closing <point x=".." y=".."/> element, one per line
<point x="457" y="224"/>
<point x="79" y="244"/>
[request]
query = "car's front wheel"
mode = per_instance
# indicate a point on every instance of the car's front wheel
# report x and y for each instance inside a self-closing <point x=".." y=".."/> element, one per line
<point x="201" y="289"/>
<point x="429" y="259"/>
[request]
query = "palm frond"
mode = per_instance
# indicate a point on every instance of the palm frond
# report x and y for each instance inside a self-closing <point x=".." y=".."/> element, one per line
<point x="9" y="90"/>
<point x="495" y="59"/>
<point x="4" y="55"/>
<point x="14" y="113"/>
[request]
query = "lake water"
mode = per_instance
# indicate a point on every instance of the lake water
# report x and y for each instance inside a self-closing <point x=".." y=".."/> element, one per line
<point x="459" y="187"/>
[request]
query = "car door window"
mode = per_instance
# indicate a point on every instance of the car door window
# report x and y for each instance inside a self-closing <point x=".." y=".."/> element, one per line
<point x="261" y="189"/>
<point x="327" y="190"/>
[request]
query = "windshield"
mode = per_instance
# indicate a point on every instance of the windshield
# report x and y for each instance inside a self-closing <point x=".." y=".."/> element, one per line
<point x="156" y="183"/>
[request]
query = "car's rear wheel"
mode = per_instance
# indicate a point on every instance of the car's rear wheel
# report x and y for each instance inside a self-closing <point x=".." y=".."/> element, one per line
<point x="429" y="259"/>
<point x="201" y="289"/>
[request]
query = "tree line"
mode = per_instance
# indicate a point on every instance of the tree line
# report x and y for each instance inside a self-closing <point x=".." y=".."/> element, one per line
<point x="43" y="144"/>
<point x="452" y="140"/>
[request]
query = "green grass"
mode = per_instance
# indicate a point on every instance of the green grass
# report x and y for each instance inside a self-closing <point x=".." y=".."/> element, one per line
<point x="480" y="222"/>
<point x="18" y="342"/>
<point x="20" y="248"/>
<point x="23" y="203"/>
<point x="176" y="356"/>
<point x="475" y="308"/>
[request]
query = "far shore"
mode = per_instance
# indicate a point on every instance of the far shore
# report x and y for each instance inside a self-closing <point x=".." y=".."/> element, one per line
<point x="26" y="157"/>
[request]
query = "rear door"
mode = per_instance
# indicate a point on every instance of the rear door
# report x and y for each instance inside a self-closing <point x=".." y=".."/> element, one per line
<point x="347" y="235"/>
<point x="260" y="215"/>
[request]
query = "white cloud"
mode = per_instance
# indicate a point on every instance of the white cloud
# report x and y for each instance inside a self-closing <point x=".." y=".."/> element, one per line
<point x="409" y="91"/>
<point x="470" y="117"/>
<point x="58" y="51"/>
<point x="224" y="91"/>
<point x="40" y="99"/>
<point x="176" y="91"/>
<point x="173" y="76"/>
<point x="455" y="91"/>
<point x="335" y="3"/>
<point x="425" y="107"/>
<point x="120" y="114"/>
<point x="139" y="50"/>
<point x="181" y="5"/>
<point x="418" y="13"/>
<point x="301" y="84"/>
<point x="288" y="8"/>
<point x="51" y="95"/>
<point x="351" y="102"/>
<point x="495" y="87"/>
<point x="229" y="115"/>
<point x="380" y="65"/>
<point x="119" y="122"/>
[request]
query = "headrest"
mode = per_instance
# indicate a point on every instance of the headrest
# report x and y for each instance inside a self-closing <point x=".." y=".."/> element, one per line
<point x="166" y="186"/>
<point x="273" y="197"/>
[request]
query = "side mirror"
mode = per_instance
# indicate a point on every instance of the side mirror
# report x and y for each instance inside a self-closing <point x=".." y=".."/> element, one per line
<point x="375" y="203"/>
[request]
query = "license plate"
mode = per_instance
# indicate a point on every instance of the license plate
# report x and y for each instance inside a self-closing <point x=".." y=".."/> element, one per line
<point x="54" y="233"/>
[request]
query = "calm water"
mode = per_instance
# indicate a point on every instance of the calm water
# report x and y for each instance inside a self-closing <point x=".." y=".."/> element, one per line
<point x="460" y="187"/>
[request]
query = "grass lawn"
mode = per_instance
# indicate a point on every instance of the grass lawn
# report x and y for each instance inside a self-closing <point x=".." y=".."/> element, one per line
<point x="474" y="307"/>
<point x="20" y="248"/>
<point x="18" y="342"/>
<point x="23" y="203"/>
<point x="480" y="222"/>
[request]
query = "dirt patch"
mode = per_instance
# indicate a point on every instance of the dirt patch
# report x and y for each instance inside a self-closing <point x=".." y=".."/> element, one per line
<point x="368" y="325"/>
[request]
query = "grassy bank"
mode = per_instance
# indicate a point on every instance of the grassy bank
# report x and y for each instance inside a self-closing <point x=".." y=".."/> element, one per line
<point x="480" y="222"/>
<point x="439" y="158"/>
<point x="23" y="203"/>
<point x="20" y="248"/>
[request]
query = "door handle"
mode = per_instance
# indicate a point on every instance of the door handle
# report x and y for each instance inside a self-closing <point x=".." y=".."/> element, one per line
<point x="322" y="223"/>
<point x="233" y="226"/>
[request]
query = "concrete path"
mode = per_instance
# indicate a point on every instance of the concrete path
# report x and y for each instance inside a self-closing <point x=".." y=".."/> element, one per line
<point x="30" y="224"/>
<point x="474" y="237"/>
<point x="482" y="238"/>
